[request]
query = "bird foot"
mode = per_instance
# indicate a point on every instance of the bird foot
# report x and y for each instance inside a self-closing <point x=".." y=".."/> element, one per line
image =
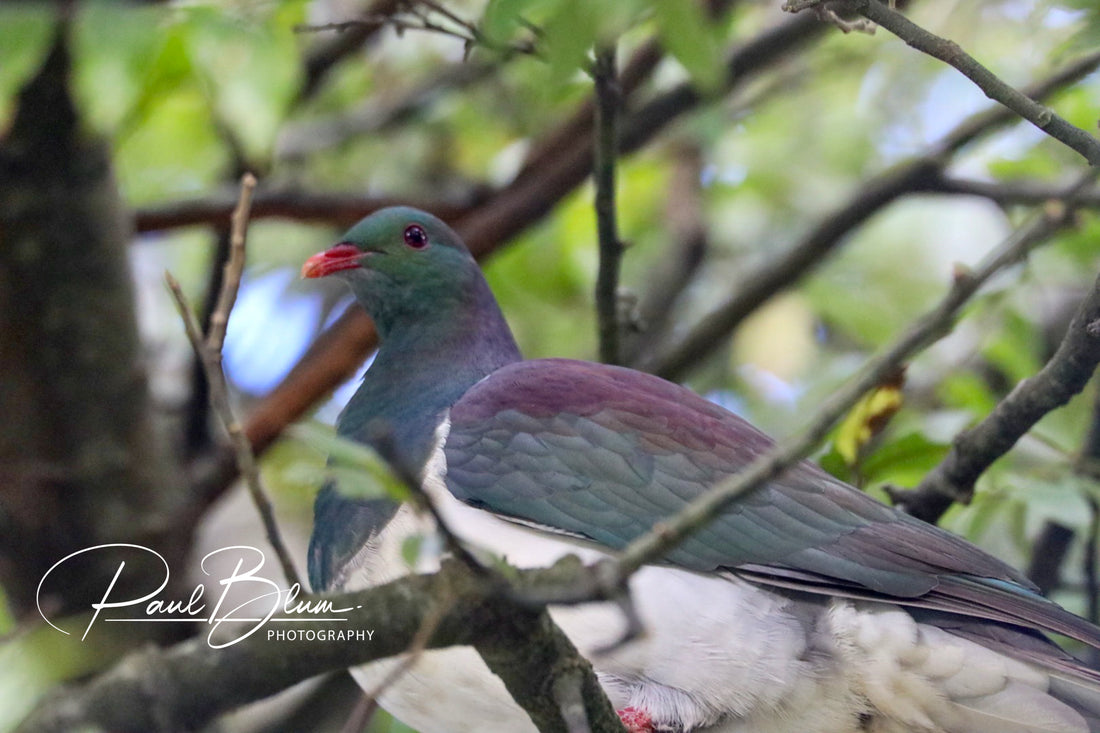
<point x="636" y="721"/>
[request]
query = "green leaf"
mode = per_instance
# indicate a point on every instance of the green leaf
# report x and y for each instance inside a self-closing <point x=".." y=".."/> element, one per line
<point x="1062" y="499"/>
<point x="25" y="33"/>
<point x="866" y="419"/>
<point x="250" y="70"/>
<point x="410" y="549"/>
<point x="693" y="39"/>
<point x="7" y="621"/>
<point x="903" y="461"/>
<point x="1013" y="349"/>
<point x="567" y="38"/>
<point x="115" y="49"/>
<point x="358" y="471"/>
<point x="35" y="661"/>
<point x="968" y="391"/>
<point x="835" y="464"/>
<point x="502" y="18"/>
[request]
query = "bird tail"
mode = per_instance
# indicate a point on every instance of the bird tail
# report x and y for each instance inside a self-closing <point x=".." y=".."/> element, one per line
<point x="1069" y="700"/>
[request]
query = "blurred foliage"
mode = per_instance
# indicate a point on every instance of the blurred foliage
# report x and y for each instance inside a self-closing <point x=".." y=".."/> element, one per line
<point x="357" y="470"/>
<point x="188" y="93"/>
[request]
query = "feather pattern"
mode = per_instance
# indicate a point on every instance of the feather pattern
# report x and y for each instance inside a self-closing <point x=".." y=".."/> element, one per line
<point x="618" y="450"/>
<point x="804" y="606"/>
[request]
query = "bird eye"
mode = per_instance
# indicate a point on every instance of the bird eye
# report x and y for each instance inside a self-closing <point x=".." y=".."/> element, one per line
<point x="416" y="237"/>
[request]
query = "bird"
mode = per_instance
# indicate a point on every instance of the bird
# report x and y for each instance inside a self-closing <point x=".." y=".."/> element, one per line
<point x="806" y="606"/>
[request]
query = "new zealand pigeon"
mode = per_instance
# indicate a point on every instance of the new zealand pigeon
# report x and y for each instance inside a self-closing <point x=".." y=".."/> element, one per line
<point x="806" y="607"/>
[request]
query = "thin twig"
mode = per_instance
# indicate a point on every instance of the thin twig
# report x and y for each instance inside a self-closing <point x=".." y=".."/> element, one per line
<point x="935" y="324"/>
<point x="209" y="353"/>
<point x="234" y="266"/>
<point x="326" y="54"/>
<point x="611" y="248"/>
<point x="952" y="54"/>
<point x="416" y="15"/>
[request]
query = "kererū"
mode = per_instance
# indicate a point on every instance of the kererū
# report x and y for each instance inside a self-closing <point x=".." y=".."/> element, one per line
<point x="806" y="606"/>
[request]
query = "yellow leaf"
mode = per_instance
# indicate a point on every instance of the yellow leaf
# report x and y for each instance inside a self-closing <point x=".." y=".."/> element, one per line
<point x="868" y="418"/>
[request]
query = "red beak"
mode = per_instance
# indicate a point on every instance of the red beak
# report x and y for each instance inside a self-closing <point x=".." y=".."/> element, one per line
<point x="341" y="256"/>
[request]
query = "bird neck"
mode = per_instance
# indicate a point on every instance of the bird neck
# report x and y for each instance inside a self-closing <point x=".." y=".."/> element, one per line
<point x="423" y="368"/>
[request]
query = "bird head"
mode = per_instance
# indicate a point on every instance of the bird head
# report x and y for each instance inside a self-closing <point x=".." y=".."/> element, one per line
<point x="402" y="265"/>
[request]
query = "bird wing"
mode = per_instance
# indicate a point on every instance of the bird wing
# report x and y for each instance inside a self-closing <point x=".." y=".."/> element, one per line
<point x="606" y="452"/>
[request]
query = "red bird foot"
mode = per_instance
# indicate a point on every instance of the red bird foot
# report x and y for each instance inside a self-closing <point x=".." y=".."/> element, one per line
<point x="636" y="721"/>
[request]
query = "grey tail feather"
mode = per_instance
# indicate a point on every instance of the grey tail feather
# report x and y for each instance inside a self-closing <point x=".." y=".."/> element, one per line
<point x="1070" y="682"/>
<point x="1083" y="697"/>
<point x="1014" y="605"/>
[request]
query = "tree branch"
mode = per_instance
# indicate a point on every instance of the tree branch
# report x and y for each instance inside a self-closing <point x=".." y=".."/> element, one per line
<point x="304" y="138"/>
<point x="338" y="209"/>
<point x="188" y="685"/>
<point x="935" y="324"/>
<point x="689" y="243"/>
<point x="1010" y="193"/>
<point x="950" y="53"/>
<point x="336" y="354"/>
<point x="608" y="99"/>
<point x="78" y="452"/>
<point x="672" y="362"/>
<point x="917" y="174"/>
<point x="1063" y="376"/>
<point x="1047" y="555"/>
<point x="209" y="351"/>
<point x="325" y="55"/>
<point x="1055" y="539"/>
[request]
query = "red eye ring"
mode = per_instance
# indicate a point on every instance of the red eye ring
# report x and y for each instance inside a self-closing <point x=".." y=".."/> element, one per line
<point x="415" y="236"/>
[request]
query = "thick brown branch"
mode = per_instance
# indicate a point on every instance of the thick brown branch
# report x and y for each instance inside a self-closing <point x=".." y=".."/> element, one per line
<point x="188" y="685"/>
<point x="1055" y="540"/>
<point x="79" y="458"/>
<point x="338" y="209"/>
